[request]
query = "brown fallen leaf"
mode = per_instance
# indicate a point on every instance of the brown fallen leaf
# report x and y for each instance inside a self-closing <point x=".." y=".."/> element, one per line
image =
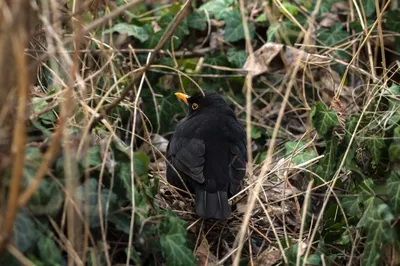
<point x="204" y="256"/>
<point x="274" y="57"/>
<point x="268" y="257"/>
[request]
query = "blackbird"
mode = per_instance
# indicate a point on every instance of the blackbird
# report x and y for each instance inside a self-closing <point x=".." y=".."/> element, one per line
<point x="208" y="150"/>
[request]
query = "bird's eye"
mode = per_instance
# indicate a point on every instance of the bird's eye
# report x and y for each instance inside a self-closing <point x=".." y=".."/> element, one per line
<point x="195" y="106"/>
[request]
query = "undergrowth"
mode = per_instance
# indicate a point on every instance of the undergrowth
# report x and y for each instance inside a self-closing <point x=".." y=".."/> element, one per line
<point x="320" y="103"/>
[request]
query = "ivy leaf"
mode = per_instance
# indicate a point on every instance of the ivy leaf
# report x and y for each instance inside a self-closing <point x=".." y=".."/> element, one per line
<point x="375" y="147"/>
<point x="217" y="8"/>
<point x="301" y="157"/>
<point x="350" y="127"/>
<point x="394" y="148"/>
<point x="261" y="18"/>
<point x="40" y="104"/>
<point x="370" y="204"/>
<point x="394" y="151"/>
<point x="380" y="232"/>
<point x="49" y="252"/>
<point x="255" y="133"/>
<point x="130" y="30"/>
<point x="333" y="35"/>
<point x="394" y="104"/>
<point x="47" y="200"/>
<point x="369" y="7"/>
<point x="25" y="231"/>
<point x="154" y="37"/>
<point x="122" y="221"/>
<point x="352" y="206"/>
<point x="330" y="157"/>
<point x="197" y="20"/>
<point x="292" y="9"/>
<point x="173" y="243"/>
<point x="89" y="192"/>
<point x="322" y="119"/>
<point x="325" y="6"/>
<point x="123" y="171"/>
<point x="237" y="58"/>
<point x="285" y="30"/>
<point x="94" y="156"/>
<point x="234" y="30"/>
<point x="181" y="31"/>
<point x="392" y="19"/>
<point x="141" y="163"/>
<point x="393" y="188"/>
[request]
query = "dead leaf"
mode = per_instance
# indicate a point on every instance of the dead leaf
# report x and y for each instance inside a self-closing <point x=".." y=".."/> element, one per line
<point x="329" y="19"/>
<point x="159" y="142"/>
<point x="203" y="254"/>
<point x="156" y="27"/>
<point x="274" y="57"/>
<point x="268" y="257"/>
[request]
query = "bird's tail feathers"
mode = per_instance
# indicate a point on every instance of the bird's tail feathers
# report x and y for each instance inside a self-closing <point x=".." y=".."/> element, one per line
<point x="212" y="205"/>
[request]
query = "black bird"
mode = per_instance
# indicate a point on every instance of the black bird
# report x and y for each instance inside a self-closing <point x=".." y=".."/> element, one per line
<point x="208" y="150"/>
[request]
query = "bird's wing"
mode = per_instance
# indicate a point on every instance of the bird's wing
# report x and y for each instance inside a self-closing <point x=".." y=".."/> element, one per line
<point x="237" y="168"/>
<point x="187" y="156"/>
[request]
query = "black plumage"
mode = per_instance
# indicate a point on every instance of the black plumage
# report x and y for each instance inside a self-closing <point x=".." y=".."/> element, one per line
<point x="208" y="150"/>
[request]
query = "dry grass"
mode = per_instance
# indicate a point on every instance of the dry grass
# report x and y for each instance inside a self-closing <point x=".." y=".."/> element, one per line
<point x="268" y="209"/>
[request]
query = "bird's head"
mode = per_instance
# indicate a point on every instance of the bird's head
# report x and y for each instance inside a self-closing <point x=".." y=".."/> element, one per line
<point x="200" y="101"/>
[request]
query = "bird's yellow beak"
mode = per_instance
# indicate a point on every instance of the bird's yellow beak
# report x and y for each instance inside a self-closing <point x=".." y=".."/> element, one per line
<point x="182" y="97"/>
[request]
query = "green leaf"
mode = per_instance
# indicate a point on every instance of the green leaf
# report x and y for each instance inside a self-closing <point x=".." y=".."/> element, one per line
<point x="356" y="25"/>
<point x="154" y="37"/>
<point x="351" y="123"/>
<point x="304" y="156"/>
<point x="136" y="256"/>
<point x="352" y="205"/>
<point x="131" y="30"/>
<point x="325" y="6"/>
<point x="376" y="147"/>
<point x="393" y="97"/>
<point x="394" y="151"/>
<point x="333" y="35"/>
<point x="391" y="19"/>
<point x="39" y="105"/>
<point x="313" y="259"/>
<point x="261" y="18"/>
<point x="322" y="119"/>
<point x="122" y="221"/>
<point x="369" y="7"/>
<point x="256" y="132"/>
<point x="25" y="231"/>
<point x="285" y="30"/>
<point x="396" y="134"/>
<point x="48" y="198"/>
<point x="380" y="232"/>
<point x="197" y="20"/>
<point x="234" y="30"/>
<point x="237" y="58"/>
<point x="94" y="156"/>
<point x="292" y="9"/>
<point x="217" y="8"/>
<point x="173" y="243"/>
<point x="89" y="191"/>
<point x="123" y="171"/>
<point x="180" y="32"/>
<point x="49" y="252"/>
<point x="393" y="189"/>
<point x="141" y="163"/>
<point x="330" y="157"/>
